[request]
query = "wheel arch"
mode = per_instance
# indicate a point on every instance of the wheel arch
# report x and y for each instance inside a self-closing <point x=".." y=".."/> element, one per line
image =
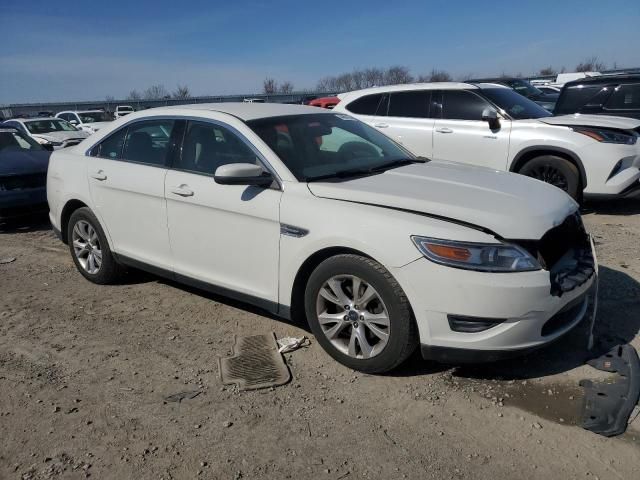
<point x="68" y="209"/>
<point x="530" y="153"/>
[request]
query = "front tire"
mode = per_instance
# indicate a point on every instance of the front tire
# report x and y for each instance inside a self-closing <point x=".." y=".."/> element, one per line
<point x="89" y="248"/>
<point x="359" y="314"/>
<point x="556" y="171"/>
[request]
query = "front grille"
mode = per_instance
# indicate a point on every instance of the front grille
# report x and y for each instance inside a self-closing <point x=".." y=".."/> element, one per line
<point x="564" y="317"/>
<point x="23" y="182"/>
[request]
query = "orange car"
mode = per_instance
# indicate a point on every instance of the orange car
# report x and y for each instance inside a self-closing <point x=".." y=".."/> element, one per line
<point x="325" y="102"/>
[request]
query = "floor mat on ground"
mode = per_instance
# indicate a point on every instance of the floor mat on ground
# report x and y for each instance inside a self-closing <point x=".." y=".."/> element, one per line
<point x="255" y="363"/>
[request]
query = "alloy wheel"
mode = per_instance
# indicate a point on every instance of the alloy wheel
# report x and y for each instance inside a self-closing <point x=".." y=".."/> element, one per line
<point x="552" y="175"/>
<point x="353" y="316"/>
<point x="86" y="247"/>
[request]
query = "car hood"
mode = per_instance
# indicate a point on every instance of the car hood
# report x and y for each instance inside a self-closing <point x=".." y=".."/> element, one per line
<point x="22" y="162"/>
<point x="507" y="204"/>
<point x="580" y="120"/>
<point x="61" y="136"/>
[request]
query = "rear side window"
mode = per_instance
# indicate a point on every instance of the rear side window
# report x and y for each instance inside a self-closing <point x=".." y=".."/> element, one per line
<point x="366" y="105"/>
<point x="148" y="142"/>
<point x="409" y="104"/>
<point x="207" y="146"/>
<point x="625" y="97"/>
<point x="110" y="147"/>
<point x="462" y="105"/>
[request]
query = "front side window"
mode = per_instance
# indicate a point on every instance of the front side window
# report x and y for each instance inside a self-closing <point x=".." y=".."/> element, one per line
<point x="463" y="105"/>
<point x="323" y="146"/>
<point x="409" y="104"/>
<point x="625" y="97"/>
<point x="366" y="105"/>
<point x="148" y="142"/>
<point x="207" y="146"/>
<point x="517" y="106"/>
<point x="13" y="141"/>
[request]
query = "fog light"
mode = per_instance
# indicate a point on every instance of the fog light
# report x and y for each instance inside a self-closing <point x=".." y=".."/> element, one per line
<point x="459" y="323"/>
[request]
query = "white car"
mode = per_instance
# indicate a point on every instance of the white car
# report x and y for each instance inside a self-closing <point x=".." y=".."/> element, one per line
<point x="89" y="121"/>
<point x="122" y="110"/>
<point x="53" y="133"/>
<point x="314" y="215"/>
<point x="492" y="126"/>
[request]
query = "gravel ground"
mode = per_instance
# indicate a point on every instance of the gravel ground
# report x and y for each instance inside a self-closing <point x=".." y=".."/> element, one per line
<point x="85" y="369"/>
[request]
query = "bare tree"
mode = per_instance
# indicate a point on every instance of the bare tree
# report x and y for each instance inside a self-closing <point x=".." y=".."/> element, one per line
<point x="591" y="64"/>
<point x="155" y="92"/>
<point x="134" y="95"/>
<point x="285" y="87"/>
<point x="373" y="77"/>
<point x="397" y="74"/>
<point x="269" y="86"/>
<point x="547" y="71"/>
<point x="439" y="76"/>
<point x="182" y="92"/>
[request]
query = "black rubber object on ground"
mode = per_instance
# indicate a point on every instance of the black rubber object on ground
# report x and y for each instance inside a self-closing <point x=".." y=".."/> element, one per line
<point x="255" y="363"/>
<point x="607" y="406"/>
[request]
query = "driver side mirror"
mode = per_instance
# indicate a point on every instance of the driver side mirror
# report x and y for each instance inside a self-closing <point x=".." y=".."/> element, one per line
<point x="490" y="116"/>
<point x="242" y="174"/>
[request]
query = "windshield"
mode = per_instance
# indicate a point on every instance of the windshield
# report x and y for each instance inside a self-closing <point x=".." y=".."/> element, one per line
<point x="10" y="140"/>
<point x="524" y="88"/>
<point x="321" y="146"/>
<point x="93" y="117"/>
<point x="517" y="106"/>
<point x="46" y="126"/>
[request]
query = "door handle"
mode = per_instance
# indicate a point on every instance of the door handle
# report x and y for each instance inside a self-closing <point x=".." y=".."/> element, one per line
<point x="380" y="125"/>
<point x="444" y="130"/>
<point x="183" y="191"/>
<point x="99" y="175"/>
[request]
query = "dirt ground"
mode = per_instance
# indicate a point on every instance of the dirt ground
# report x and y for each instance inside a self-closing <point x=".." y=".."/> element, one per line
<point x="85" y="369"/>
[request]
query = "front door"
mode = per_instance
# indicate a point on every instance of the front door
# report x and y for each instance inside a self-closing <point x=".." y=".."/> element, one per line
<point x="460" y="135"/>
<point x="223" y="235"/>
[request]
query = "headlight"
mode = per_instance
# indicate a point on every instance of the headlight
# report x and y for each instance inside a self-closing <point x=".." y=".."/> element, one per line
<point x="41" y="141"/>
<point x="483" y="257"/>
<point x="605" y="135"/>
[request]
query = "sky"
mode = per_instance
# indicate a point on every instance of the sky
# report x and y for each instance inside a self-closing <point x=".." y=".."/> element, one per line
<point x="65" y="51"/>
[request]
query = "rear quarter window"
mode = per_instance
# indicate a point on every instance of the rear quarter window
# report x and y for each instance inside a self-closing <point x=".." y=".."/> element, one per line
<point x="367" y="105"/>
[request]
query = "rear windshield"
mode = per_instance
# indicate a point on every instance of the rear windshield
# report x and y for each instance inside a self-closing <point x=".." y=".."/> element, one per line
<point x="514" y="104"/>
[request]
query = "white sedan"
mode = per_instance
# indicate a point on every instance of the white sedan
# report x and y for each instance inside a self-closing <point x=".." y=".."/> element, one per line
<point x="316" y="216"/>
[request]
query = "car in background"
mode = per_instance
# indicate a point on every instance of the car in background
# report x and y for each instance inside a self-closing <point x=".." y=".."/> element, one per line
<point x="549" y="89"/>
<point x="617" y="95"/>
<point x="122" y="110"/>
<point x="52" y="133"/>
<point x="492" y="126"/>
<point x="23" y="174"/>
<point x="254" y="100"/>
<point x="380" y="251"/>
<point x="89" y="121"/>
<point x="46" y="114"/>
<point x="524" y="88"/>
<point x="325" y="102"/>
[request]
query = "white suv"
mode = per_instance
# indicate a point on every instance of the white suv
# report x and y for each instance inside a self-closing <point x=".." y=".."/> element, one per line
<point x="89" y="121"/>
<point x="490" y="125"/>
<point x="315" y="215"/>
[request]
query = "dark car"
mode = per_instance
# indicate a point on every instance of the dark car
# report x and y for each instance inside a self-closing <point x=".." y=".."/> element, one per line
<point x="523" y="87"/>
<point x="617" y="95"/>
<point x="23" y="174"/>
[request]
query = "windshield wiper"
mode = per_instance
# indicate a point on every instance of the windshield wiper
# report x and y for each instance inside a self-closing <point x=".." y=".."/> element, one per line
<point x="354" y="172"/>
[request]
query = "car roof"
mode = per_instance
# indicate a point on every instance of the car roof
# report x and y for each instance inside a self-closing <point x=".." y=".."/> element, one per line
<point x="246" y="111"/>
<point x="606" y="79"/>
<point x="34" y="119"/>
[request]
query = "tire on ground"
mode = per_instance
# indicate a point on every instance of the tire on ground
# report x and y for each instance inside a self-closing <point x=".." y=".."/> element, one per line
<point x="403" y="334"/>
<point x="561" y="166"/>
<point x="110" y="270"/>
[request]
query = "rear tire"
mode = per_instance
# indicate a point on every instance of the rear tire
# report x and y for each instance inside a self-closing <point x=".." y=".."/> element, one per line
<point x="89" y="248"/>
<point x="555" y="171"/>
<point x="374" y="331"/>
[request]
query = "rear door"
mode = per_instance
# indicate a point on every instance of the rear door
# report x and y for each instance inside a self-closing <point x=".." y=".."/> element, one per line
<point x="406" y="120"/>
<point x="223" y="235"/>
<point x="460" y="134"/>
<point x="126" y="178"/>
<point x="367" y="107"/>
